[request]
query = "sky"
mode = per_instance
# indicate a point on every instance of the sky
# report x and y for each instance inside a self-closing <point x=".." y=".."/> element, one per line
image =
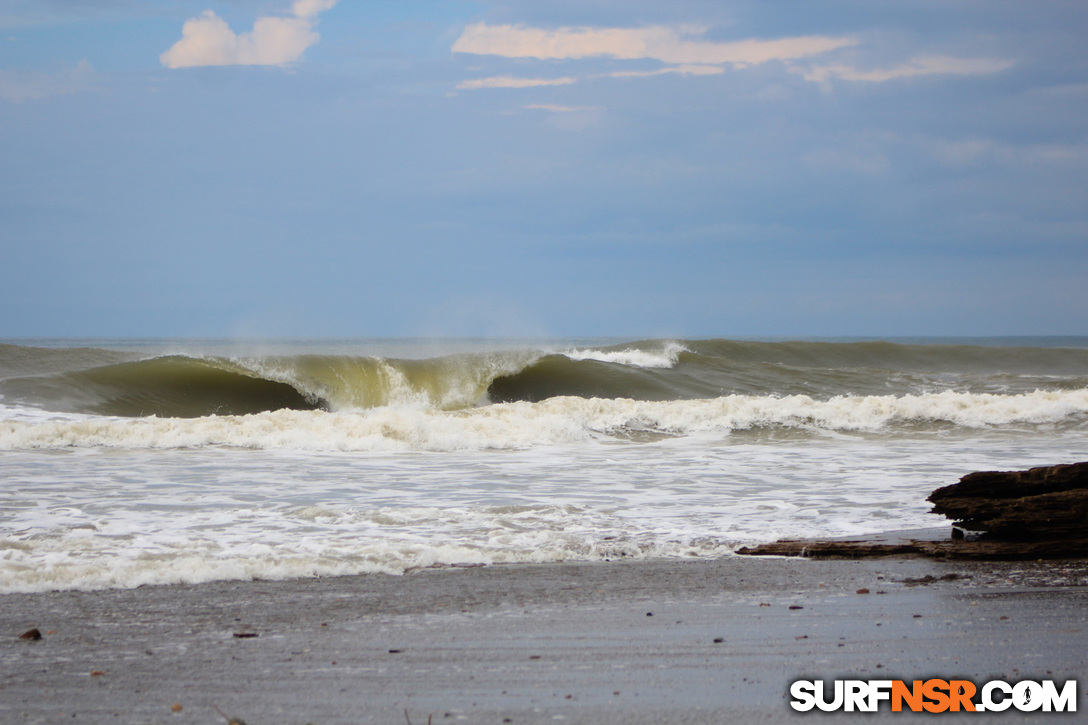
<point x="516" y="168"/>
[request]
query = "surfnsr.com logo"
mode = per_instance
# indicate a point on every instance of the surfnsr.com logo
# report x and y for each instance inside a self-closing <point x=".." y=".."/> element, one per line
<point x="934" y="695"/>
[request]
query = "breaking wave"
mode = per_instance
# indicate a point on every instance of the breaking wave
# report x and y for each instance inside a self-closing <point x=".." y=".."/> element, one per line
<point x="149" y="462"/>
<point x="527" y="397"/>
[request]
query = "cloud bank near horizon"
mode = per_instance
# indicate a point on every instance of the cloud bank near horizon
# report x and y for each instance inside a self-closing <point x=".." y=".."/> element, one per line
<point x="673" y="45"/>
<point x="682" y="49"/>
<point x="917" y="66"/>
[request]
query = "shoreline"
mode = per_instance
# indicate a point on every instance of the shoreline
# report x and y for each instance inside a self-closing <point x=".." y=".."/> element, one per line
<point x="678" y="641"/>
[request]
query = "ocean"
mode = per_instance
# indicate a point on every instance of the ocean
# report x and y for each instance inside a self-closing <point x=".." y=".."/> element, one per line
<point x="133" y="462"/>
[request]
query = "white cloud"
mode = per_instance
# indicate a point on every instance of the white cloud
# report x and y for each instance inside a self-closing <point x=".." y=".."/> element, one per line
<point x="684" y="50"/>
<point x="860" y="161"/>
<point x="208" y="40"/>
<point x="511" y="82"/>
<point x="920" y="66"/>
<point x="554" y="108"/>
<point x="19" y="86"/>
<point x="310" y="8"/>
<point x="678" y="45"/>
<point x="967" y="152"/>
<point x="975" y="152"/>
<point x="569" y="118"/>
<point x="693" y="70"/>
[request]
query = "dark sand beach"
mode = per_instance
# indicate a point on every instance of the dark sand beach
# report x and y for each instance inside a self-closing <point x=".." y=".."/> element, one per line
<point x="702" y="641"/>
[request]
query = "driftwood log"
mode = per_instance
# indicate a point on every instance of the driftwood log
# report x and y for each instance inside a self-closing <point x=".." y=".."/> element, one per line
<point x="1041" y="513"/>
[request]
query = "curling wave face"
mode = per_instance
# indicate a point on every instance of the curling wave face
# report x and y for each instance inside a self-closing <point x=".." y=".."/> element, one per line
<point x="186" y="386"/>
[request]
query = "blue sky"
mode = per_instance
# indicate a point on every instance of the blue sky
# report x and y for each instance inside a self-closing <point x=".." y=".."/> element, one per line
<point x="513" y="168"/>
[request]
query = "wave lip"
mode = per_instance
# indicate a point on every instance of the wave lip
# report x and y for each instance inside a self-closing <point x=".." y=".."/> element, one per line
<point x="633" y="356"/>
<point x="629" y="372"/>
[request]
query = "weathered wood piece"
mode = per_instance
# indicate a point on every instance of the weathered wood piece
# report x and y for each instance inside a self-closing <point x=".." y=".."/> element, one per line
<point x="951" y="549"/>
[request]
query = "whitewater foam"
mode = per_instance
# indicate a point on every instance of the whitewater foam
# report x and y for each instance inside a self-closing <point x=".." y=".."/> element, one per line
<point x="190" y="547"/>
<point x="665" y="358"/>
<point x="549" y="422"/>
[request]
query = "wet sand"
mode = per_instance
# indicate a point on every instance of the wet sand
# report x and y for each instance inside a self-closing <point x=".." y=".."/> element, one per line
<point x="620" y="642"/>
